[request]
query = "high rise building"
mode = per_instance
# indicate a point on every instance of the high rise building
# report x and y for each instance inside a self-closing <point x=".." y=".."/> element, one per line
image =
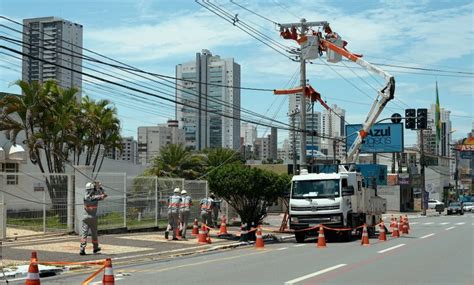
<point x="205" y="100"/>
<point x="151" y="139"/>
<point x="284" y="151"/>
<point x="431" y="144"/>
<point x="59" y="44"/>
<point x="249" y="133"/>
<point x="313" y="123"/>
<point x="333" y="125"/>
<point x="129" y="151"/>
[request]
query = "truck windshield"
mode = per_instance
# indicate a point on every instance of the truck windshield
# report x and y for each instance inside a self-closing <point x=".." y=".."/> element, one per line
<point x="315" y="188"/>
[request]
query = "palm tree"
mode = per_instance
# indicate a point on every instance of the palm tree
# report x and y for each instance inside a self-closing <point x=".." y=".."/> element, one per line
<point x="175" y="160"/>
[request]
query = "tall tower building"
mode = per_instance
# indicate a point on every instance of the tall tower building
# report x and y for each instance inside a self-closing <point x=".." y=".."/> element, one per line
<point x="151" y="139"/>
<point x="333" y="125"/>
<point x="205" y="101"/>
<point x="313" y="123"/>
<point x="431" y="144"/>
<point x="59" y="43"/>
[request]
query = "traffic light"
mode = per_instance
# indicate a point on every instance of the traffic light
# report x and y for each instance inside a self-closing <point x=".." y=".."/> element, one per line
<point x="410" y="118"/>
<point x="422" y="119"/>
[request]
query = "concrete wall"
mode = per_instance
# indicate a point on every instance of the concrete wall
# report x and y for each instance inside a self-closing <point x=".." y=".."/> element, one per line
<point x="392" y="194"/>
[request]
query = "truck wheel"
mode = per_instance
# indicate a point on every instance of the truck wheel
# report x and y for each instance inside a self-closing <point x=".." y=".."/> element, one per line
<point x="300" y="236"/>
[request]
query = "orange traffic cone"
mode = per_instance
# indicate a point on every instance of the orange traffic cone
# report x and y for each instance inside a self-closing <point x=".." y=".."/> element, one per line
<point x="406" y="221"/>
<point x="178" y="232"/>
<point x="365" y="236"/>
<point x="393" y="224"/>
<point x="405" y="228"/>
<point x="108" y="273"/>
<point x="400" y="225"/>
<point x="321" y="238"/>
<point x="223" y="228"/>
<point x="33" y="278"/>
<point x="259" y="244"/>
<point x="395" y="232"/>
<point x="195" y="231"/>
<point x="202" y="238"/>
<point x="382" y="233"/>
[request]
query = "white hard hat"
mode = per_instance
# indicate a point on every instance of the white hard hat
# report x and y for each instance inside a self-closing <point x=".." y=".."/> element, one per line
<point x="184" y="192"/>
<point x="89" y="185"/>
<point x="176" y="190"/>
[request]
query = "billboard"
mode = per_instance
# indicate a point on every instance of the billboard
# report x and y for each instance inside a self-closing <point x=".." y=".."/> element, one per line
<point x="386" y="137"/>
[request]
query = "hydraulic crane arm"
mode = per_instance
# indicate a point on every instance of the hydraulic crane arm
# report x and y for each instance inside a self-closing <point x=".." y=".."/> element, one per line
<point x="309" y="92"/>
<point x="383" y="97"/>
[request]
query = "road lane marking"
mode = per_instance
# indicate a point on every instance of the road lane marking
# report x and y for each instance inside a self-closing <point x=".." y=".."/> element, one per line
<point x="314" y="274"/>
<point x="430" y="223"/>
<point x="432" y="234"/>
<point x="450" y="228"/>
<point x="283" y="248"/>
<point x="298" y="245"/>
<point x="390" y="248"/>
<point x="462" y="223"/>
<point x="414" y="223"/>
<point x="445" y="223"/>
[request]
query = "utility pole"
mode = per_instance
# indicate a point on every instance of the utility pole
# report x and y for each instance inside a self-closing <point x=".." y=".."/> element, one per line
<point x="422" y="172"/>
<point x="293" y="127"/>
<point x="303" y="26"/>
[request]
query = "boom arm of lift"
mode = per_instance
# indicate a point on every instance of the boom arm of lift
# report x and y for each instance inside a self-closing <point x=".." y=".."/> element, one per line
<point x="383" y="97"/>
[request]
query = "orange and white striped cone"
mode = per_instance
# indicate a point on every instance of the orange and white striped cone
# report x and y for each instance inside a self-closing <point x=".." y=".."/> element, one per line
<point x="321" y="238"/>
<point x="406" y="221"/>
<point x="32" y="277"/>
<point x="400" y="225"/>
<point x="202" y="238"/>
<point x="395" y="232"/>
<point x="259" y="244"/>
<point x="178" y="232"/>
<point x="393" y="224"/>
<point x="365" y="236"/>
<point x="108" y="278"/>
<point x="195" y="231"/>
<point x="405" y="228"/>
<point x="223" y="228"/>
<point x="382" y="233"/>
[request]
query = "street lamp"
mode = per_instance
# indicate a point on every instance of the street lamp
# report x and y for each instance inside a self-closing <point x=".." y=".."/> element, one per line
<point x="16" y="153"/>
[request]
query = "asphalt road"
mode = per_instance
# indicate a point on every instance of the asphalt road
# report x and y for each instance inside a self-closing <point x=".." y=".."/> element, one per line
<point x="438" y="250"/>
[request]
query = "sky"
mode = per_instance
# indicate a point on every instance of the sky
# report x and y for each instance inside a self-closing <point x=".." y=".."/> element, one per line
<point x="157" y="35"/>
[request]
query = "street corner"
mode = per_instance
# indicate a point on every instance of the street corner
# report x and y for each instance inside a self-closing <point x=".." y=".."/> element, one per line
<point x="73" y="248"/>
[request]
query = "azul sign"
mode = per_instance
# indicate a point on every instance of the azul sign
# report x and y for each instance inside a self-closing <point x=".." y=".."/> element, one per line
<point x="381" y="138"/>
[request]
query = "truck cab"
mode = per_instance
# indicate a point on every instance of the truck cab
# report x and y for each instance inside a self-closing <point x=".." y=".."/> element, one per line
<point x="335" y="200"/>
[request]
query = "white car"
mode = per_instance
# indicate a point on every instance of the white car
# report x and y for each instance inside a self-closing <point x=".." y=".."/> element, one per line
<point x="468" y="206"/>
<point x="432" y="203"/>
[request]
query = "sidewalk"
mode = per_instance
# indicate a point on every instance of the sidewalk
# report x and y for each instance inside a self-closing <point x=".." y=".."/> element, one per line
<point x="127" y="246"/>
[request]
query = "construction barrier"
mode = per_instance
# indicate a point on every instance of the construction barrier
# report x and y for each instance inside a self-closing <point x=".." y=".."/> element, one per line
<point x="33" y="277"/>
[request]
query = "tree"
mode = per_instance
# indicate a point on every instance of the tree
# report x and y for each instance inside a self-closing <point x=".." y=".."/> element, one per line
<point x="57" y="126"/>
<point x="250" y="191"/>
<point x="175" y="160"/>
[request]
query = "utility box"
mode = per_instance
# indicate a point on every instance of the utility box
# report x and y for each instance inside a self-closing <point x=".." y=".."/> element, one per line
<point x="331" y="55"/>
<point x="310" y="48"/>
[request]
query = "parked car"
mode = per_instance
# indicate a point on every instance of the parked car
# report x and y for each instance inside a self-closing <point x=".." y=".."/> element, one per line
<point x="432" y="204"/>
<point x="468" y="206"/>
<point x="455" y="208"/>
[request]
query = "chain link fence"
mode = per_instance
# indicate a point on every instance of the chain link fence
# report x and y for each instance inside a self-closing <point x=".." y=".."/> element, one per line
<point x="38" y="203"/>
<point x="33" y="203"/>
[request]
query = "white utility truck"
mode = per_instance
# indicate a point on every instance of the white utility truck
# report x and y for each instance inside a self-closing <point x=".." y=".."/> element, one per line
<point x="339" y="199"/>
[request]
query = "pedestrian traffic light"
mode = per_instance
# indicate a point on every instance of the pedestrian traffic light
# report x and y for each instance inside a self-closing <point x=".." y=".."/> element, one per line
<point x="410" y="118"/>
<point x="422" y="119"/>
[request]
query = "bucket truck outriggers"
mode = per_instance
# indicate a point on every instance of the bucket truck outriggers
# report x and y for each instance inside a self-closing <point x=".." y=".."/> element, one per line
<point x="338" y="200"/>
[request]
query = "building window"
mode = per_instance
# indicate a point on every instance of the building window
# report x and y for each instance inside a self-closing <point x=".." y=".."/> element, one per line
<point x="10" y="168"/>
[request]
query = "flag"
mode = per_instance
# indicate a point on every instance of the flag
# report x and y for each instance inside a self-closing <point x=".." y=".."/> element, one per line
<point x="437" y="116"/>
